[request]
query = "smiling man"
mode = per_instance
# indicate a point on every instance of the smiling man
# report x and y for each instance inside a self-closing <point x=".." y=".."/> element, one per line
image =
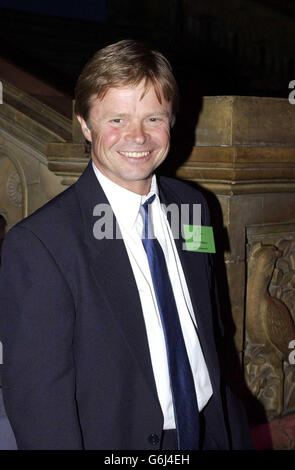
<point x="109" y="343"/>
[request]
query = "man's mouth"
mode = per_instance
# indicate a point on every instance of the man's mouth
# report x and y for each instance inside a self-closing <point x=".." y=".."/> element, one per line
<point x="136" y="154"/>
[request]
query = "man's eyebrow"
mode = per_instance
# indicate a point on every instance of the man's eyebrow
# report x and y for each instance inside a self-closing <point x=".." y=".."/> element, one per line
<point x="158" y="113"/>
<point x="114" y="114"/>
<point x="152" y="113"/>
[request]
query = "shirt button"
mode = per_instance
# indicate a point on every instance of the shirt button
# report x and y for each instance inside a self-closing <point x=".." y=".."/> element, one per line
<point x="154" y="439"/>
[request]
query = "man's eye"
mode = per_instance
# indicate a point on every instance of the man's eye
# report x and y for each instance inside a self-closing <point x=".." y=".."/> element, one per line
<point x="117" y="121"/>
<point x="153" y="119"/>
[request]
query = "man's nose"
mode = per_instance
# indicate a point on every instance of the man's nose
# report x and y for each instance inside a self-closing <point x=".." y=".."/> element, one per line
<point x="136" y="133"/>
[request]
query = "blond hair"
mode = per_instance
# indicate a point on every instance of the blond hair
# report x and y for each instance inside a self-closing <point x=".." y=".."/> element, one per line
<point x="126" y="62"/>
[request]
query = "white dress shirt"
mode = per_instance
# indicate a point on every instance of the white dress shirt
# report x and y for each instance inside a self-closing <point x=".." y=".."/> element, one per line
<point x="126" y="207"/>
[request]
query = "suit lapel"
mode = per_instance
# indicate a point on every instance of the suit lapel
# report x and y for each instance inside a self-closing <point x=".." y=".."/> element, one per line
<point x="112" y="270"/>
<point x="196" y="272"/>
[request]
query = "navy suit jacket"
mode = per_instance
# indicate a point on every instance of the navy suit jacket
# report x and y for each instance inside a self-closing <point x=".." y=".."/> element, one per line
<point x="77" y="372"/>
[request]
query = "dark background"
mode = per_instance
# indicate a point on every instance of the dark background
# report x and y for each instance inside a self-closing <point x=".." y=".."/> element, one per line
<point x="88" y="9"/>
<point x="218" y="47"/>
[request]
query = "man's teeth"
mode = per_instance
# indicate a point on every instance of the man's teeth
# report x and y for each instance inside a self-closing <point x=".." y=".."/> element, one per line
<point x="135" y="154"/>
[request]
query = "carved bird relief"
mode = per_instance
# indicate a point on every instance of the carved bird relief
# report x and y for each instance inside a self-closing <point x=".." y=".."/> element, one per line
<point x="269" y="326"/>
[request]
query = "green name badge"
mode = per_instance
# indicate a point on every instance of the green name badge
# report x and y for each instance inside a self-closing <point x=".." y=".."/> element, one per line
<point x="199" y="238"/>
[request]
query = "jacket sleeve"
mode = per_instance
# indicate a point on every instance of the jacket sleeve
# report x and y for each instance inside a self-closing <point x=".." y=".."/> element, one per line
<point x="37" y="315"/>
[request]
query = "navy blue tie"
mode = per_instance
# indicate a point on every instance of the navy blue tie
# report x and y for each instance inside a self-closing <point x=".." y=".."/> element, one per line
<point x="181" y="378"/>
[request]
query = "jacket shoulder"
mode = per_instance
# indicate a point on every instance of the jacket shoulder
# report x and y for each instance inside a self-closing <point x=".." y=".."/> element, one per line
<point x="184" y="190"/>
<point x="185" y="193"/>
<point x="60" y="207"/>
<point x="56" y="220"/>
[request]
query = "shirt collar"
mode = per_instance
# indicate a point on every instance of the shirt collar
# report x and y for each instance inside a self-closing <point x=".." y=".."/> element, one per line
<point x="124" y="203"/>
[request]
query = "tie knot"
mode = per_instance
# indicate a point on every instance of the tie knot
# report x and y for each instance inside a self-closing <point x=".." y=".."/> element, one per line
<point x="148" y="228"/>
<point x="149" y="201"/>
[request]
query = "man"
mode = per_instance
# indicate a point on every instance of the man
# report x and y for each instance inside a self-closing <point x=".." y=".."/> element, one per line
<point x="108" y="340"/>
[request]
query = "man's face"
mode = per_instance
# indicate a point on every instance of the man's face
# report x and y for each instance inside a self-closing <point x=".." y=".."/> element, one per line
<point x="130" y="135"/>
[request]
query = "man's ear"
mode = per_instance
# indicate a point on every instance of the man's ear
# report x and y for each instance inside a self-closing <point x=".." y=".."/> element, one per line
<point x="85" y="129"/>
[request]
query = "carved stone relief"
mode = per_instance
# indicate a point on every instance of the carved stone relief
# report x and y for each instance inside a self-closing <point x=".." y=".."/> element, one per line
<point x="283" y="287"/>
<point x="14" y="189"/>
<point x="270" y="317"/>
<point x="25" y="184"/>
<point x="11" y="191"/>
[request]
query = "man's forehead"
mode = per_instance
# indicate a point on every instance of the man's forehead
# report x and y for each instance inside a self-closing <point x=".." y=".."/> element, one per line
<point x="125" y="90"/>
